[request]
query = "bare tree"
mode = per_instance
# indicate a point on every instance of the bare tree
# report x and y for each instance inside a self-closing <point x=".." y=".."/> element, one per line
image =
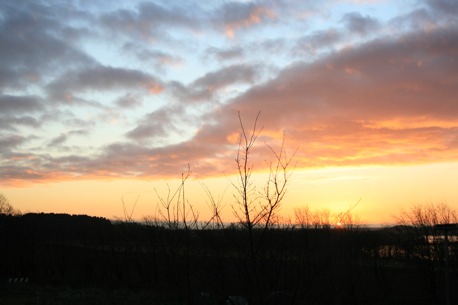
<point x="174" y="210"/>
<point x="346" y="219"/>
<point x="178" y="216"/>
<point x="422" y="242"/>
<point x="5" y="207"/>
<point x="307" y="218"/>
<point x="257" y="209"/>
<point x="423" y="219"/>
<point x="324" y="219"/>
<point x="215" y="206"/>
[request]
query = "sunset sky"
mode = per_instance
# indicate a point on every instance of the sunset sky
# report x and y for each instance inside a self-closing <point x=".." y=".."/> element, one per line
<point x="104" y="101"/>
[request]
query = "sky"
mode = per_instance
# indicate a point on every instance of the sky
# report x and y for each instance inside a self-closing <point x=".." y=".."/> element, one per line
<point x="106" y="103"/>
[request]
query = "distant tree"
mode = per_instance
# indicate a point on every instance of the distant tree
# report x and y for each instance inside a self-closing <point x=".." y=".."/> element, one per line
<point x="422" y="241"/>
<point x="307" y="218"/>
<point x="5" y="207"/>
<point x="324" y="219"/>
<point x="421" y="233"/>
<point x="428" y="215"/>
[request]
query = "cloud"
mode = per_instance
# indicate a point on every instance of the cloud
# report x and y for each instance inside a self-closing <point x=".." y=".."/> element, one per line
<point x="388" y="96"/>
<point x="447" y="7"/>
<point x="129" y="100"/>
<point x="413" y="20"/>
<point x="242" y="15"/>
<point x="58" y="140"/>
<point x="339" y="106"/>
<point x="13" y="122"/>
<point x="205" y="87"/>
<point x="20" y="104"/>
<point x="235" y="74"/>
<point x="102" y="78"/>
<point x="219" y="54"/>
<point x="359" y="24"/>
<point x="28" y="34"/>
<point x="17" y="110"/>
<point x="64" y="137"/>
<point x="156" y="58"/>
<point x="157" y="124"/>
<point x="148" y="21"/>
<point x="317" y="41"/>
<point x="10" y="141"/>
<point x="428" y="15"/>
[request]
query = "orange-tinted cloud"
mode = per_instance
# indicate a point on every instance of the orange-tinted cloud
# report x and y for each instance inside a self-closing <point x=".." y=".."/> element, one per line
<point x="239" y="16"/>
<point x="388" y="100"/>
<point x="373" y="104"/>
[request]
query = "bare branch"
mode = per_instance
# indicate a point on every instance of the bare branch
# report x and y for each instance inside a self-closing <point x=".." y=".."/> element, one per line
<point x="128" y="216"/>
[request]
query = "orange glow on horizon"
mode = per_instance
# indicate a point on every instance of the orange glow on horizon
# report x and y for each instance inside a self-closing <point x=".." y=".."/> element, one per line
<point x="383" y="191"/>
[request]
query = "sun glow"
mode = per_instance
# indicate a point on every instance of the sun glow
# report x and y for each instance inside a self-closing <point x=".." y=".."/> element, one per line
<point x="375" y="194"/>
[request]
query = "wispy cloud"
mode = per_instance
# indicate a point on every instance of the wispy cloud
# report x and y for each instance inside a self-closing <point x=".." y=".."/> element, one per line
<point x="220" y="54"/>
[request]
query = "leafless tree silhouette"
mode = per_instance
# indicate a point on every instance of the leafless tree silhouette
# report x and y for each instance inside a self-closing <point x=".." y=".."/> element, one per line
<point x="5" y="206"/>
<point x="256" y="210"/>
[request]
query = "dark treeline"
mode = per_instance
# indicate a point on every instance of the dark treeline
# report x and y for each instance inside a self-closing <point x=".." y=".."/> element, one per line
<point x="278" y="265"/>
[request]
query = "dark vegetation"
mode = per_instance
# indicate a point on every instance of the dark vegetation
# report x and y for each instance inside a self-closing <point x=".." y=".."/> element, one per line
<point x="95" y="260"/>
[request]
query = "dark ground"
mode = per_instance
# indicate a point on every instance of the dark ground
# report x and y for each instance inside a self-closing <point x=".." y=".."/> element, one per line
<point x="87" y="260"/>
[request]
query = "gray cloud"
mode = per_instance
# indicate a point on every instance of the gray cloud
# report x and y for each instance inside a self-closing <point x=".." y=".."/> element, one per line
<point x="129" y="100"/>
<point x="158" y="59"/>
<point x="234" y="16"/>
<point x="151" y="128"/>
<point x="447" y="7"/>
<point x="102" y="78"/>
<point x="359" y="24"/>
<point x="20" y="104"/>
<point x="13" y="122"/>
<point x="28" y="35"/>
<point x="367" y="78"/>
<point x="235" y="74"/>
<point x="149" y="20"/>
<point x="16" y="110"/>
<point x="11" y="141"/>
<point x="157" y="124"/>
<point x="65" y="136"/>
<point x="79" y="132"/>
<point x="58" y="140"/>
<point x="271" y="46"/>
<point x="235" y="12"/>
<point x="204" y="88"/>
<point x="219" y="54"/>
<point x="317" y="41"/>
<point x="414" y="20"/>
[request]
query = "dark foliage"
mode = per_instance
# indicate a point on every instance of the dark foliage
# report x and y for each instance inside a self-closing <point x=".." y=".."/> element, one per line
<point x="291" y="265"/>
